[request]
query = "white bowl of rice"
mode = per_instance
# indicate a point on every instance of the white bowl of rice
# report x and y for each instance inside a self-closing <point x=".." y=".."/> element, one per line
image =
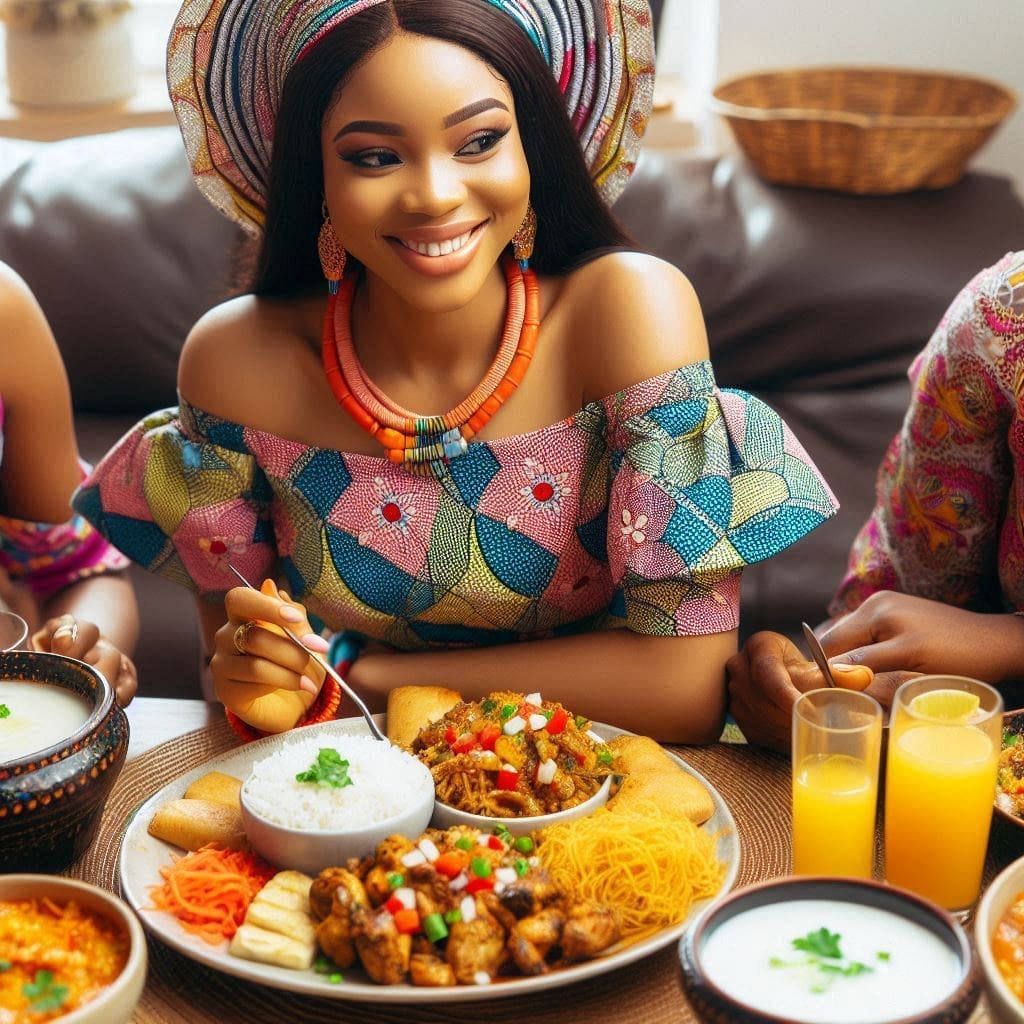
<point x="320" y="799"/>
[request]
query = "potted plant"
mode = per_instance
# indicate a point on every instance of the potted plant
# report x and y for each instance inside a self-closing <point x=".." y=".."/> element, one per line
<point x="68" y="52"/>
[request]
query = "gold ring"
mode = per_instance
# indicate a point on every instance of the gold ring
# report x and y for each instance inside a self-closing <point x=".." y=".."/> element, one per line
<point x="242" y="634"/>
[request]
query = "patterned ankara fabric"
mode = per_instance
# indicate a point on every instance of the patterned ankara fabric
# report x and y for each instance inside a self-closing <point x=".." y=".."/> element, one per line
<point x="948" y="522"/>
<point x="49" y="557"/>
<point x="227" y="61"/>
<point x="639" y="510"/>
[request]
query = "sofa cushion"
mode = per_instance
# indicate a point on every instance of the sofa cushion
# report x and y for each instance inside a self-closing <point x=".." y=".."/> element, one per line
<point x="122" y="252"/>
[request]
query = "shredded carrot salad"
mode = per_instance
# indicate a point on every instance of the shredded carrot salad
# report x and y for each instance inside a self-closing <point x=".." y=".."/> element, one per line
<point x="54" y="957"/>
<point x="209" y="891"/>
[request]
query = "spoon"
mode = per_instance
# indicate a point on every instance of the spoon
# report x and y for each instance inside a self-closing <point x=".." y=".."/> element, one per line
<point x="363" y="709"/>
<point x="818" y="654"/>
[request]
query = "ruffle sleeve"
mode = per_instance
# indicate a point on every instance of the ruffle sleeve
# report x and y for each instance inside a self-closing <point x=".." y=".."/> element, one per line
<point x="705" y="481"/>
<point x="182" y="495"/>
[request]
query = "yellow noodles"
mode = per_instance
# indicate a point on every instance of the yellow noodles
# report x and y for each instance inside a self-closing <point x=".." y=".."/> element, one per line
<point x="645" y="864"/>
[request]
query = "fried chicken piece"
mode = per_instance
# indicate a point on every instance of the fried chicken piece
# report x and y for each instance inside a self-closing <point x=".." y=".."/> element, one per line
<point x="475" y="946"/>
<point x="384" y="953"/>
<point x="429" y="970"/>
<point x="321" y="892"/>
<point x="588" y="929"/>
<point x="531" y="894"/>
<point x="532" y="938"/>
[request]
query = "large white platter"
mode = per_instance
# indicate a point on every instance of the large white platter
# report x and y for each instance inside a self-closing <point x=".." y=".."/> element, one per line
<point x="142" y="856"/>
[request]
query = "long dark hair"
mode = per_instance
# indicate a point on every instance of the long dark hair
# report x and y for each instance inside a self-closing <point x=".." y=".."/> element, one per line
<point x="572" y="219"/>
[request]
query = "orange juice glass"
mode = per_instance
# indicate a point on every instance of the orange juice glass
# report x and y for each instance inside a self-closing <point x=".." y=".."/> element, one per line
<point x="837" y="737"/>
<point x="940" y="786"/>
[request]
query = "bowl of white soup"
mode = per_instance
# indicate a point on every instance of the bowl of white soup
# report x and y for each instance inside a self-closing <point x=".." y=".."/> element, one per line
<point x="63" y="741"/>
<point x="828" y="951"/>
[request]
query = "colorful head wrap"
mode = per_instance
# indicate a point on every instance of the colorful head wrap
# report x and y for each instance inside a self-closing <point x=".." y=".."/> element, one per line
<point x="227" y="61"/>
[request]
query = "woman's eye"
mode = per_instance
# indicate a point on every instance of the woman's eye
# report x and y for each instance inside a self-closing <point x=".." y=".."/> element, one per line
<point x="373" y="158"/>
<point x="482" y="143"/>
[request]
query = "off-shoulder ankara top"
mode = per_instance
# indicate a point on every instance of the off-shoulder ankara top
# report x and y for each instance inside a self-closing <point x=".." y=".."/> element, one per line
<point x="948" y="521"/>
<point x="640" y="510"/>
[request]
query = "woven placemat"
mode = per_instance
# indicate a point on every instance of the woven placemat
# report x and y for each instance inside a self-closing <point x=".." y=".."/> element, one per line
<point x="754" y="783"/>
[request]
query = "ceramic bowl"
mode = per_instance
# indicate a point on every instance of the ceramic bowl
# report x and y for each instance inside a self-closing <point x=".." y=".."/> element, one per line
<point x="115" y="1003"/>
<point x="313" y="849"/>
<point x="52" y="798"/>
<point x="892" y="933"/>
<point x="445" y="816"/>
<point x="1003" y="1006"/>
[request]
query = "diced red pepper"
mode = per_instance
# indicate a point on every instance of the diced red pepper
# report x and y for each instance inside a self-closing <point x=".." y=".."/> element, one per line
<point x="495" y="843"/>
<point x="477" y="884"/>
<point x="556" y="723"/>
<point x="407" y="921"/>
<point x="450" y="735"/>
<point x="394" y="905"/>
<point x="507" y="778"/>
<point x="488" y="735"/>
<point x="451" y="863"/>
<point x="465" y="743"/>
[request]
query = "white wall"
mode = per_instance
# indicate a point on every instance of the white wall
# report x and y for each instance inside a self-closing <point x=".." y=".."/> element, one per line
<point x="981" y="37"/>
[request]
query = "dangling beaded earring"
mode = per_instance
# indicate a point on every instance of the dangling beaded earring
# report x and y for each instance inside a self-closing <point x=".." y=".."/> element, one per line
<point x="523" y="239"/>
<point x="332" y="255"/>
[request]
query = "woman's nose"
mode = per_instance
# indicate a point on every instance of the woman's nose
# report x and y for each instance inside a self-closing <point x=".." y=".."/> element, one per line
<point x="437" y="189"/>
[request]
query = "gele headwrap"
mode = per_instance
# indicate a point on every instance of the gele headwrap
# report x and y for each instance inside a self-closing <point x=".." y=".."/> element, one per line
<point x="227" y="61"/>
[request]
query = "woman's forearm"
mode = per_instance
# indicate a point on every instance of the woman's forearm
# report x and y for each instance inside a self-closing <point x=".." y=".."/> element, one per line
<point x="671" y="688"/>
<point x="107" y="600"/>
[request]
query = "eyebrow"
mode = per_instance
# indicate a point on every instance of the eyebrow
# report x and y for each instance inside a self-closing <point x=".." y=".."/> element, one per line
<point x="390" y="128"/>
<point x="472" y="110"/>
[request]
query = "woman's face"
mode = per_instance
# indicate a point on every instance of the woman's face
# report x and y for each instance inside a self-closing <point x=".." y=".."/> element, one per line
<point x="424" y="171"/>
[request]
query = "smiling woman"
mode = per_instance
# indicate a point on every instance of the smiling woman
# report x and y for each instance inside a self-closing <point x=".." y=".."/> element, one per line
<point x="448" y="166"/>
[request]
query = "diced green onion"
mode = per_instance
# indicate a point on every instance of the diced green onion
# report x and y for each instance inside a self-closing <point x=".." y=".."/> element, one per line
<point x="605" y="756"/>
<point x="335" y="978"/>
<point x="524" y="844"/>
<point x="395" y="879"/>
<point x="465" y="843"/>
<point x="481" y="867"/>
<point x="451" y="916"/>
<point x="488" y="705"/>
<point x="434" y="927"/>
<point x="5" y="965"/>
<point x="581" y="721"/>
<point x="507" y="711"/>
<point x="521" y="866"/>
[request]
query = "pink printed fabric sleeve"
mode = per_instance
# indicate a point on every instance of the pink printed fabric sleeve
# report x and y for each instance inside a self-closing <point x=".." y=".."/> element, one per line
<point x="184" y="502"/>
<point x="944" y="482"/>
<point x="705" y="482"/>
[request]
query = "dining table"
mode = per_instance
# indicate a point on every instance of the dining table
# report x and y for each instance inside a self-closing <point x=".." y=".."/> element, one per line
<point x="169" y="737"/>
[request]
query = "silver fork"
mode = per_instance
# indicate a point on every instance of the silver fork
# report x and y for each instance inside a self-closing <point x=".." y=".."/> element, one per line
<point x="375" y="729"/>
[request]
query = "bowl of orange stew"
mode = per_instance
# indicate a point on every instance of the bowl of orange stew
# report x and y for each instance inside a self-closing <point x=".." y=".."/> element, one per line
<point x="69" y="952"/>
<point x="999" y="937"/>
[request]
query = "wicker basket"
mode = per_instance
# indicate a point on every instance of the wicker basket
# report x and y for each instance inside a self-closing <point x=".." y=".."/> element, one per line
<point x="863" y="130"/>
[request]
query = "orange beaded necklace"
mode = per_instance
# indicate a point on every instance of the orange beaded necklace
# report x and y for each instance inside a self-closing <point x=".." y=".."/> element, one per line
<point x="428" y="443"/>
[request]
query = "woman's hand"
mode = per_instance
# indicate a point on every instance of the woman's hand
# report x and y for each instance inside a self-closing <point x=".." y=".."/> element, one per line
<point x="77" y="638"/>
<point x="259" y="674"/>
<point x="904" y="635"/>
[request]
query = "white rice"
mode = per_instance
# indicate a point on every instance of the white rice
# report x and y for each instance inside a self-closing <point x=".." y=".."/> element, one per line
<point x="385" y="782"/>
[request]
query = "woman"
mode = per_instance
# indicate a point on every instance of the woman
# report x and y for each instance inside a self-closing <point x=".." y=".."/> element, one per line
<point x="935" y="581"/>
<point x="55" y="571"/>
<point x="600" y="505"/>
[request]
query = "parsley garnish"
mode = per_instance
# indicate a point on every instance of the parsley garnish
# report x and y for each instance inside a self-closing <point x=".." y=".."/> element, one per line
<point x="45" y="995"/>
<point x="5" y="711"/>
<point x="820" y="943"/>
<point x="824" y="961"/>
<point x="328" y="770"/>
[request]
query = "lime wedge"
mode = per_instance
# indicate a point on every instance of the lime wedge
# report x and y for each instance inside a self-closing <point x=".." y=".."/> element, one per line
<point x="946" y="705"/>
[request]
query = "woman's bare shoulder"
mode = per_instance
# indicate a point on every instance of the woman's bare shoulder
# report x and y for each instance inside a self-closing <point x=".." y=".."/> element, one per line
<point x="631" y="316"/>
<point x="240" y="351"/>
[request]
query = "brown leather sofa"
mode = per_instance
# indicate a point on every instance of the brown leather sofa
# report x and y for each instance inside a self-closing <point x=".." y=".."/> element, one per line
<point x="814" y="301"/>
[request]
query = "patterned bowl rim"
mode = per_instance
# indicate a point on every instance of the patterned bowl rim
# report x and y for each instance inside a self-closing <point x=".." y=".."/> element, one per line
<point x="834" y="887"/>
<point x="99" y="714"/>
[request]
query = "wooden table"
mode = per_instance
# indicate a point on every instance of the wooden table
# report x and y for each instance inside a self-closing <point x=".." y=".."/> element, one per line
<point x="169" y="737"/>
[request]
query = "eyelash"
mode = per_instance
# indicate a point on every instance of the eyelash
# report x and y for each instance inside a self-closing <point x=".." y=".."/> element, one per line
<point x="490" y="138"/>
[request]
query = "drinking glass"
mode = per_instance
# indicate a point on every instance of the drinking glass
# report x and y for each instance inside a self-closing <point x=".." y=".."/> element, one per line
<point x="940" y="786"/>
<point x="13" y="632"/>
<point x="837" y="737"/>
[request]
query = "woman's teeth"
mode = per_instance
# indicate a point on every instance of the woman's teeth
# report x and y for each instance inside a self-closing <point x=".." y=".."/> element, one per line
<point x="445" y="248"/>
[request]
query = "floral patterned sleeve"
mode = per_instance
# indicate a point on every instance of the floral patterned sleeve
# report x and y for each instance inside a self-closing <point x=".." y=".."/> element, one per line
<point x="705" y="481"/>
<point x="182" y="495"/>
<point x="947" y="482"/>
